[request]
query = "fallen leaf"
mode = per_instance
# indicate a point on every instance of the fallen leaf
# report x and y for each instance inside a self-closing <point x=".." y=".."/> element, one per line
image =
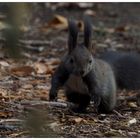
<point x="27" y="86"/>
<point x="3" y="92"/>
<point x="5" y="114"/>
<point x="122" y="28"/>
<point x="90" y="12"/>
<point x="54" y="126"/>
<point x="4" y="63"/>
<point x="40" y="68"/>
<point x="80" y="25"/>
<point x="132" y="104"/>
<point x="133" y="121"/>
<point x="51" y="69"/>
<point x="85" y="4"/>
<point x="44" y="98"/>
<point x="22" y="71"/>
<point x="53" y="61"/>
<point x="58" y="22"/>
<point x="43" y="87"/>
<point x="77" y="120"/>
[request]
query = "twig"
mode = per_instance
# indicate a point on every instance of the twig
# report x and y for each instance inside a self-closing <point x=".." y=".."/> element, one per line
<point x="28" y="55"/>
<point x="36" y="42"/>
<point x="55" y="104"/>
<point x="36" y="49"/>
<point x="129" y="98"/>
<point x="10" y="120"/>
<point x="18" y="134"/>
<point x="117" y="113"/>
<point x="9" y="127"/>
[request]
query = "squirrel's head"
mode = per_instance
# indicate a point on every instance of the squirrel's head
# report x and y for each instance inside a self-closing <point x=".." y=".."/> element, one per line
<point x="80" y="60"/>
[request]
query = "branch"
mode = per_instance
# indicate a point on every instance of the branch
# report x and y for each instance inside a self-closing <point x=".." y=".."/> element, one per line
<point x="54" y="104"/>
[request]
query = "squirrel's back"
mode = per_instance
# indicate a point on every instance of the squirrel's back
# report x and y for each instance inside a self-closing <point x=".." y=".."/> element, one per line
<point x="126" y="67"/>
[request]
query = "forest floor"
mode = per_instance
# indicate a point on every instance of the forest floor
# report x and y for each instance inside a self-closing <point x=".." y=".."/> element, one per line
<point x="25" y="83"/>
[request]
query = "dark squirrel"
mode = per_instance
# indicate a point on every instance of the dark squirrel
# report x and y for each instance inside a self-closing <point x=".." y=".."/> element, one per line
<point x="84" y="77"/>
<point x="126" y="67"/>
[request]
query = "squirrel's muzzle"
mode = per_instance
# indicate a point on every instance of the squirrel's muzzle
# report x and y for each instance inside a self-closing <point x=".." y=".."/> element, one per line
<point x="82" y="72"/>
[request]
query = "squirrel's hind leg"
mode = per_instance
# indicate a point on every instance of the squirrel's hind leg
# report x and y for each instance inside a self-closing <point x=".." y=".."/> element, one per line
<point x="80" y="100"/>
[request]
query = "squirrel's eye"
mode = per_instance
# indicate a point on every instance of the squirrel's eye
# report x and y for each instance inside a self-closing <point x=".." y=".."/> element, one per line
<point x="71" y="60"/>
<point x="90" y="61"/>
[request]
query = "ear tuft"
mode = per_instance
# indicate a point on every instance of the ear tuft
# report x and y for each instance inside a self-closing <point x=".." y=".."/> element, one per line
<point x="73" y="33"/>
<point x="87" y="33"/>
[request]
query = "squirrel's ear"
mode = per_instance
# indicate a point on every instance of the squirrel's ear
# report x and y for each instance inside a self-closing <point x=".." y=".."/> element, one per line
<point x="73" y="33"/>
<point x="87" y="33"/>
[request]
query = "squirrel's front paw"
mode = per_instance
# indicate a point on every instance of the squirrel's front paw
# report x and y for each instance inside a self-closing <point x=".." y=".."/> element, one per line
<point x="97" y="101"/>
<point x="52" y="97"/>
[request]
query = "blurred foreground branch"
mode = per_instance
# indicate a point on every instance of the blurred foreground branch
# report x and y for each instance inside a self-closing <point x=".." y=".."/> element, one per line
<point x="15" y="18"/>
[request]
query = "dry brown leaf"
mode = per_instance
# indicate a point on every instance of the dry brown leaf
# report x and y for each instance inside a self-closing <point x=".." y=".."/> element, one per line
<point x="27" y="86"/>
<point x="80" y="25"/>
<point x="40" y="68"/>
<point x="58" y="22"/>
<point x="42" y="92"/>
<point x="44" y="98"/>
<point x="122" y="28"/>
<point x="53" y="61"/>
<point x="35" y="82"/>
<point x="5" y="114"/>
<point x="3" y="92"/>
<point x="22" y="71"/>
<point x="50" y="69"/>
<point x="77" y="120"/>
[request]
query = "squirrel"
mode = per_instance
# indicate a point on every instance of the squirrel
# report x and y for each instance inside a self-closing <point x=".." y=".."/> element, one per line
<point x="126" y="67"/>
<point x="84" y="77"/>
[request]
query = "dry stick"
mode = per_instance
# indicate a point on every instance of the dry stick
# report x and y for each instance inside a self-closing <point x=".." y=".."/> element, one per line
<point x="55" y="104"/>
<point x="9" y="127"/>
<point x="36" y="49"/>
<point x="30" y="44"/>
<point x="35" y="42"/>
<point x="130" y="98"/>
<point x="10" y="120"/>
<point x="117" y="113"/>
<point x="32" y="57"/>
<point x="18" y="134"/>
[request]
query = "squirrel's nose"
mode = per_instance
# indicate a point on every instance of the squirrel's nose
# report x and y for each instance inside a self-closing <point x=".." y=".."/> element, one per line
<point x="82" y="72"/>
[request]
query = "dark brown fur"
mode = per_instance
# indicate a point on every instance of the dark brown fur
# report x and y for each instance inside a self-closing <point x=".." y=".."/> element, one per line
<point x="85" y="77"/>
<point x="126" y="67"/>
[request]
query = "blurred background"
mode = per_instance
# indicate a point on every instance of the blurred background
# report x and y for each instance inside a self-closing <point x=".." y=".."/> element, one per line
<point x="113" y="24"/>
